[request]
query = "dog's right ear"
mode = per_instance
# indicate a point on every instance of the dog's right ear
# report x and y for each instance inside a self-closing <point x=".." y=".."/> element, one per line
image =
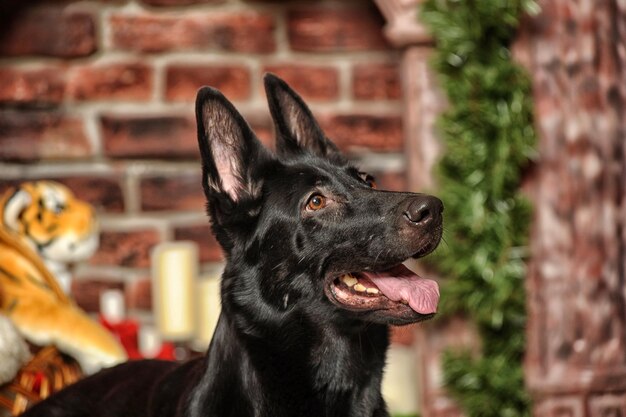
<point x="228" y="148"/>
<point x="296" y="128"/>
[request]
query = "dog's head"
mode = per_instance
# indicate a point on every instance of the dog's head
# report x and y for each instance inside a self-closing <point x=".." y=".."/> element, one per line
<point x="305" y="230"/>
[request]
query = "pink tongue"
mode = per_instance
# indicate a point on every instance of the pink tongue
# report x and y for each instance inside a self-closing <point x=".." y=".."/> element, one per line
<point x="400" y="283"/>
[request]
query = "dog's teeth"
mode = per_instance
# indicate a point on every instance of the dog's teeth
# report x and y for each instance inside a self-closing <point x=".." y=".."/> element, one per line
<point x="404" y="302"/>
<point x="360" y="287"/>
<point x="373" y="291"/>
<point x="349" y="280"/>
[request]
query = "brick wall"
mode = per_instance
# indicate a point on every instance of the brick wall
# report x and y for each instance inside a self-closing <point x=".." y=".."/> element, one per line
<point x="99" y="95"/>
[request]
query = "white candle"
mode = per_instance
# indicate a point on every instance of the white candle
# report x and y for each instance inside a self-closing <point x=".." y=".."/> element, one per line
<point x="174" y="271"/>
<point x="209" y="307"/>
<point x="400" y="381"/>
<point x="149" y="342"/>
<point x="112" y="306"/>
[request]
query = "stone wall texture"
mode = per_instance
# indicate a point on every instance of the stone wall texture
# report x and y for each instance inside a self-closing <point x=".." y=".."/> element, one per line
<point x="576" y="360"/>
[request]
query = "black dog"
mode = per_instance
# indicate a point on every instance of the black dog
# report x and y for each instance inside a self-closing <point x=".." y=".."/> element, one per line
<point x="313" y="279"/>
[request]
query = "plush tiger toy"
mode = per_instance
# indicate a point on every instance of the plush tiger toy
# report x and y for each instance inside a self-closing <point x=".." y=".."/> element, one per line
<point x="47" y="217"/>
<point x="43" y="227"/>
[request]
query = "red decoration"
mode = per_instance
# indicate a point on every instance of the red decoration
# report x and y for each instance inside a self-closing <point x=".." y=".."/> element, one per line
<point x="126" y="332"/>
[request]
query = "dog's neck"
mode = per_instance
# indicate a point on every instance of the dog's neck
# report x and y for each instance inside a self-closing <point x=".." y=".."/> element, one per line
<point x="335" y="372"/>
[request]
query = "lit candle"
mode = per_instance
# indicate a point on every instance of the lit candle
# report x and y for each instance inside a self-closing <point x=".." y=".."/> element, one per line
<point x="209" y="308"/>
<point x="174" y="271"/>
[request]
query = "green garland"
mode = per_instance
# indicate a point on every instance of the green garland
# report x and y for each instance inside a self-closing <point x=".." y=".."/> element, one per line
<point x="489" y="137"/>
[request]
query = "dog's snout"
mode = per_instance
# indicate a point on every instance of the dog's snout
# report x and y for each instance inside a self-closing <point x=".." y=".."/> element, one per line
<point x="424" y="210"/>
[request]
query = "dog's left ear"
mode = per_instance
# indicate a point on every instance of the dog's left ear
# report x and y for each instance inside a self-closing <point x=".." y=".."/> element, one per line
<point x="228" y="147"/>
<point x="296" y="128"/>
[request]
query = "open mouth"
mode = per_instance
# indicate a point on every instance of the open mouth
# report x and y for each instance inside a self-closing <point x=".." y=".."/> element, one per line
<point x="396" y="293"/>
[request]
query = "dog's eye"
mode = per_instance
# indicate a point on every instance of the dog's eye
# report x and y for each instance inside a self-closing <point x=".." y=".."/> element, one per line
<point x="316" y="202"/>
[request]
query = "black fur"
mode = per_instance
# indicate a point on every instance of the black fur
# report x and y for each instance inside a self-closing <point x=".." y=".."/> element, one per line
<point x="282" y="347"/>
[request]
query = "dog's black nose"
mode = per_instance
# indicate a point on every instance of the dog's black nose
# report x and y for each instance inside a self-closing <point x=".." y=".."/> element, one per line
<point x="424" y="210"/>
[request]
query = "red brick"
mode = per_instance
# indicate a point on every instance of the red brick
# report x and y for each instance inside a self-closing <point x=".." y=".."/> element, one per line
<point x="210" y="250"/>
<point x="105" y="194"/>
<point x="34" y="135"/>
<point x="178" y="192"/>
<point x="183" y="81"/>
<point x="130" y="81"/>
<point x="353" y="132"/>
<point x="262" y="125"/>
<point x="131" y="249"/>
<point x="265" y="135"/>
<point x="180" y="2"/>
<point x="49" y="31"/>
<point x="376" y="81"/>
<point x="139" y="294"/>
<point x="336" y="30"/>
<point x="403" y="335"/>
<point x="42" y="85"/>
<point x="149" y="136"/>
<point x="392" y="181"/>
<point x="312" y="82"/>
<point x="236" y="32"/>
<point x="86" y="292"/>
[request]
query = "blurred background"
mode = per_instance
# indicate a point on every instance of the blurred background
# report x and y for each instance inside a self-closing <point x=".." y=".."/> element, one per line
<point x="98" y="95"/>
